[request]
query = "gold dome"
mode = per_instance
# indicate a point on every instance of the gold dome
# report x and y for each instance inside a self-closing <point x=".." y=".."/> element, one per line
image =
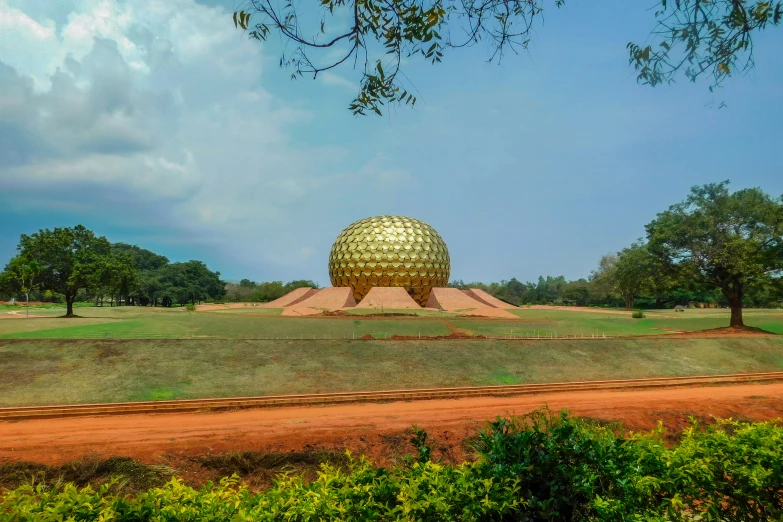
<point x="386" y="251"/>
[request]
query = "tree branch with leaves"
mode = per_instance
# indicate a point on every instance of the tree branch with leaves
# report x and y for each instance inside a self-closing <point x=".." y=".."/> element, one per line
<point x="691" y="37"/>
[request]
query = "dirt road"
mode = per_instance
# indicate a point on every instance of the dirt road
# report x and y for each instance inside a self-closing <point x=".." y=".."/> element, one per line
<point x="370" y="429"/>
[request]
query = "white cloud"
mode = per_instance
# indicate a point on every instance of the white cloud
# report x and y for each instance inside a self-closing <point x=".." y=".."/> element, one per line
<point x="329" y="78"/>
<point x="159" y="107"/>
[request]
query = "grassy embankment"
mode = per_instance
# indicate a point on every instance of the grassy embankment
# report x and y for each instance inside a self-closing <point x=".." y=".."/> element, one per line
<point x="34" y="372"/>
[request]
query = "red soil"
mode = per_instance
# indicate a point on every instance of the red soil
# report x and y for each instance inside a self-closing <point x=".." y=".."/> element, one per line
<point x="747" y="331"/>
<point x="226" y="306"/>
<point x="18" y="314"/>
<point x="372" y="429"/>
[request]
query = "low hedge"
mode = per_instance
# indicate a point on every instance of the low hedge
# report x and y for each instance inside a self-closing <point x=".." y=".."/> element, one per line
<point x="540" y="467"/>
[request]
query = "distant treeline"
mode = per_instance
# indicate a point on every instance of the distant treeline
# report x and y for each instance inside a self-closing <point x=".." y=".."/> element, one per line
<point x="73" y="264"/>
<point x="601" y="290"/>
<point x="247" y="291"/>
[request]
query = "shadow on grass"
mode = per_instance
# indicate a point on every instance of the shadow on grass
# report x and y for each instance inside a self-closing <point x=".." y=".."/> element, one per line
<point x="245" y="463"/>
<point x="130" y="474"/>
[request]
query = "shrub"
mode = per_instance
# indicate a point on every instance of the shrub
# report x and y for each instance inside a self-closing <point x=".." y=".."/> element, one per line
<point x="190" y="307"/>
<point x="637" y="314"/>
<point x="540" y="467"/>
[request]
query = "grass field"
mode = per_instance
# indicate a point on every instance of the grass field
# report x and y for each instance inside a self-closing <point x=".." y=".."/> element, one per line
<point x="261" y="323"/>
<point x="34" y="372"/>
<point x="150" y="323"/>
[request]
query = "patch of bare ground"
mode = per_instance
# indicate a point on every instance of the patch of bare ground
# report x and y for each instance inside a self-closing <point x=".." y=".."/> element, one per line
<point x="728" y="331"/>
<point x="259" y="443"/>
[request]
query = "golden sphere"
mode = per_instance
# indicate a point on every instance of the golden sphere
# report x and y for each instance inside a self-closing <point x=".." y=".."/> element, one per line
<point x="389" y="251"/>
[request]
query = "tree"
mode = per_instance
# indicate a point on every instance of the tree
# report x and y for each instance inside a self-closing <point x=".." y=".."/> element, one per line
<point x="21" y="275"/>
<point x="190" y="282"/>
<point x="631" y="272"/>
<point x="724" y="240"/>
<point x="577" y="292"/>
<point x="69" y="259"/>
<point x="602" y="286"/>
<point x="119" y="276"/>
<point x="695" y="37"/>
<point x="626" y="274"/>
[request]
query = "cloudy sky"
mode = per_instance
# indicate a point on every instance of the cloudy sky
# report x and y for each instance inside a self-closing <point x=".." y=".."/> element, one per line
<point x="157" y="123"/>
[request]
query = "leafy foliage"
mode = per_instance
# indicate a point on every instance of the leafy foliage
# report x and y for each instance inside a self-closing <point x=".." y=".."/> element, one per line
<point x="250" y="291"/>
<point x="75" y="262"/>
<point x="694" y="36"/>
<point x="700" y="37"/>
<point x="392" y="30"/>
<point x="727" y="241"/>
<point x="20" y="275"/>
<point x="540" y="467"/>
<point x="68" y="259"/>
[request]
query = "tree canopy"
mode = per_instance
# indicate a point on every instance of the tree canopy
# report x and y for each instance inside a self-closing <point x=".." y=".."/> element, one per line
<point x="75" y="262"/>
<point x="690" y="37"/>
<point x="728" y="241"/>
<point x="69" y="259"/>
<point x="21" y="275"/>
<point x="250" y="291"/>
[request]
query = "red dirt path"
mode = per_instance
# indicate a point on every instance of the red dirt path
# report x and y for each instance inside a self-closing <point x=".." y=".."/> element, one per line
<point x="370" y="429"/>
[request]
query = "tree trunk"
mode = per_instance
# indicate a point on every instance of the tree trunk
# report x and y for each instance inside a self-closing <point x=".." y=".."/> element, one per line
<point x="736" y="313"/>
<point x="734" y="296"/>
<point x="27" y="305"/>
<point x="69" y="299"/>
<point x="629" y="302"/>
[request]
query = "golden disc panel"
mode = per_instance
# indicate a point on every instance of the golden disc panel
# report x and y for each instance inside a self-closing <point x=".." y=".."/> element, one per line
<point x="389" y="251"/>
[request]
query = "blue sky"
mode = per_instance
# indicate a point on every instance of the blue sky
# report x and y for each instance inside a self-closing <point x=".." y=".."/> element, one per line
<point x="159" y="124"/>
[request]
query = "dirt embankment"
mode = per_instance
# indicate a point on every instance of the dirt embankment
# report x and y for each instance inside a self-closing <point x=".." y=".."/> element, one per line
<point x="380" y="431"/>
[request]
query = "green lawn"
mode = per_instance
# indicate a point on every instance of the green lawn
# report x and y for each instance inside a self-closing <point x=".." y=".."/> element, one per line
<point x="150" y="323"/>
<point x="250" y="310"/>
<point x="82" y="371"/>
<point x="264" y="323"/>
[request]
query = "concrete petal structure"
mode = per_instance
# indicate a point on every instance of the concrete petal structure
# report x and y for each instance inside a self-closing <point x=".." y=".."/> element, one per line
<point x="390" y="251"/>
<point x="327" y="299"/>
<point x="291" y="298"/>
<point x="488" y="299"/>
<point x="455" y="300"/>
<point x="388" y="299"/>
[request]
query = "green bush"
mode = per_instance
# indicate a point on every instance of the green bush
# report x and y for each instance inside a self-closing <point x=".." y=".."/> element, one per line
<point x="540" y="467"/>
<point x="637" y="314"/>
<point x="190" y="307"/>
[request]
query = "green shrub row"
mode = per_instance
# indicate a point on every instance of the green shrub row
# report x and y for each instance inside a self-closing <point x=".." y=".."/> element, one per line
<point x="540" y="467"/>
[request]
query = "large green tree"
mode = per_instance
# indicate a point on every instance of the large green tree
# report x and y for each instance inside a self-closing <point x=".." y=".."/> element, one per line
<point x="690" y="37"/>
<point x="68" y="258"/>
<point x="715" y="238"/>
<point x="630" y="274"/>
<point x="117" y="276"/>
<point x="190" y="282"/>
<point x="21" y="275"/>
